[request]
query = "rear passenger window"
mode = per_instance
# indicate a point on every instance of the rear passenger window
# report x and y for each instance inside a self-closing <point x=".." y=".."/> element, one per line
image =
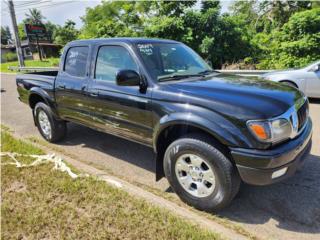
<point x="110" y="60"/>
<point x="76" y="61"/>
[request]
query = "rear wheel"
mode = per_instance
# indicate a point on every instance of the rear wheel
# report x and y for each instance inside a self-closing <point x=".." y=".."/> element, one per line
<point x="49" y="127"/>
<point x="200" y="173"/>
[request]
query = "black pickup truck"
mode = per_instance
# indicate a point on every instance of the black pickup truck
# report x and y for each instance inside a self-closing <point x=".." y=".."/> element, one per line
<point x="209" y="131"/>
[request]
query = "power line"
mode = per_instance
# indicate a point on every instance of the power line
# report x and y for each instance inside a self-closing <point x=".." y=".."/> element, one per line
<point x="44" y="6"/>
<point x="41" y="7"/>
<point x="18" y="7"/>
<point x="17" y="4"/>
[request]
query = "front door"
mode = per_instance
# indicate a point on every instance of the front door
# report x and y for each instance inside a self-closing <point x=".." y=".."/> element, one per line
<point x="71" y="86"/>
<point x="313" y="82"/>
<point x="119" y="110"/>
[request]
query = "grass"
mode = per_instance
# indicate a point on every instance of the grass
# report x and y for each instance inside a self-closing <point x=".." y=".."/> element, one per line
<point x="50" y="62"/>
<point x="38" y="202"/>
<point x="221" y="220"/>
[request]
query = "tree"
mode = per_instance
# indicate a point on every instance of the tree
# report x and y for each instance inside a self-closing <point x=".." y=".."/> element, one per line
<point x="275" y="13"/>
<point x="251" y="31"/>
<point x="6" y="37"/>
<point x="34" y="17"/>
<point x="115" y="19"/>
<point x="207" y="4"/>
<point x="51" y="29"/>
<point x="298" y="42"/>
<point x="67" y="33"/>
<point x="172" y="8"/>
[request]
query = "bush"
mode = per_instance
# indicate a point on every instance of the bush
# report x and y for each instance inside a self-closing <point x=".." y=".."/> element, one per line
<point x="296" y="44"/>
<point x="10" y="57"/>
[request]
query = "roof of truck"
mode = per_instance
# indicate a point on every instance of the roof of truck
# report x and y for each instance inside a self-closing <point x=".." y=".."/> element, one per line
<point x="123" y="40"/>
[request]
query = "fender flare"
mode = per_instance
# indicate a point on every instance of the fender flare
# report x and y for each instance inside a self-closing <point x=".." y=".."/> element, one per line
<point x="45" y="96"/>
<point x="227" y="137"/>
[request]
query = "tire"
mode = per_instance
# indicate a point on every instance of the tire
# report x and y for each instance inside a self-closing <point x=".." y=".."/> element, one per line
<point x="219" y="190"/>
<point x="50" y="128"/>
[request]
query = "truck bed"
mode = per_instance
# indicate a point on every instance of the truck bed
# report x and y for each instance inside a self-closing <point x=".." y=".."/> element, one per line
<point x="27" y="81"/>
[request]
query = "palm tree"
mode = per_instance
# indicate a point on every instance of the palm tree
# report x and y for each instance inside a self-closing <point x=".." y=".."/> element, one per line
<point x="34" y="17"/>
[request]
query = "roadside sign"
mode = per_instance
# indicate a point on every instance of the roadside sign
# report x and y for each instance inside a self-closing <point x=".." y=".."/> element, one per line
<point x="36" y="33"/>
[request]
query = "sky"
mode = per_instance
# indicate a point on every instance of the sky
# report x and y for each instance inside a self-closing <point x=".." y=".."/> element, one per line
<point x="57" y="11"/>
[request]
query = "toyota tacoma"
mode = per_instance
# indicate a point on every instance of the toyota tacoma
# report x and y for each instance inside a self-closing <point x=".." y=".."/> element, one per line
<point x="209" y="131"/>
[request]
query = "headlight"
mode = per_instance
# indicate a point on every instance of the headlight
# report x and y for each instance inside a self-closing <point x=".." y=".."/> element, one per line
<point x="271" y="130"/>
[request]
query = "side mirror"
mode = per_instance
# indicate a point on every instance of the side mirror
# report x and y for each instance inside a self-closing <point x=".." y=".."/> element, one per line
<point x="128" y="78"/>
<point x="316" y="68"/>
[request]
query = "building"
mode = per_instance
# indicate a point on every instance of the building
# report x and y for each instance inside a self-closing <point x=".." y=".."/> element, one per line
<point x="30" y="50"/>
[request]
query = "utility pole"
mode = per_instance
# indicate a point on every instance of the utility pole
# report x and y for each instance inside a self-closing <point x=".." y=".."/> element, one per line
<point x="16" y="33"/>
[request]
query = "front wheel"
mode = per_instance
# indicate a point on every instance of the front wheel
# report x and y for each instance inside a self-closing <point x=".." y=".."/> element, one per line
<point x="49" y="127"/>
<point x="289" y="83"/>
<point x="200" y="173"/>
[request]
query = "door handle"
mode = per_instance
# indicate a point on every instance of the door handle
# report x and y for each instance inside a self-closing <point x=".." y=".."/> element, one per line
<point x="92" y="94"/>
<point x="61" y="86"/>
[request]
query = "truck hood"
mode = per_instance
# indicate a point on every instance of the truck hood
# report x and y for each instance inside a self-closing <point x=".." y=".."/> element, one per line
<point x="246" y="98"/>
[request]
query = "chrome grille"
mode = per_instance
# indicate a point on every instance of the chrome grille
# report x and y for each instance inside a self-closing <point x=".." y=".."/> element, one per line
<point x="302" y="115"/>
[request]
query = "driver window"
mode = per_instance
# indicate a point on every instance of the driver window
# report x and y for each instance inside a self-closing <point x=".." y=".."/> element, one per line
<point x="110" y="60"/>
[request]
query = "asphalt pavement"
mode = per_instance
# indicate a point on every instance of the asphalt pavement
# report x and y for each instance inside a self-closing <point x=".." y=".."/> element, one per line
<point x="286" y="210"/>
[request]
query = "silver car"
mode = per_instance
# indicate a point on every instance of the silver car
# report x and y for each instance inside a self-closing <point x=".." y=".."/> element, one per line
<point x="306" y="79"/>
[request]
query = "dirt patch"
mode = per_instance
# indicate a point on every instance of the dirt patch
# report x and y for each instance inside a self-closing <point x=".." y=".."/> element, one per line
<point x="17" y="187"/>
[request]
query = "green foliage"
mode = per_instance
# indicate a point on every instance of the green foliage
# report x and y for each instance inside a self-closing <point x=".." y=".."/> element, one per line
<point x="114" y="19"/>
<point x="282" y="34"/>
<point x="10" y="57"/>
<point x="49" y="62"/>
<point x="65" y="34"/>
<point x="51" y="29"/>
<point x="205" y="30"/>
<point x="21" y="31"/>
<point x="264" y="34"/>
<point x="34" y="17"/>
<point x="296" y="43"/>
<point x="5" y="35"/>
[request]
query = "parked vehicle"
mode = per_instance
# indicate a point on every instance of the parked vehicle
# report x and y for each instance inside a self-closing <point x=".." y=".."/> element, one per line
<point x="306" y="79"/>
<point x="209" y="131"/>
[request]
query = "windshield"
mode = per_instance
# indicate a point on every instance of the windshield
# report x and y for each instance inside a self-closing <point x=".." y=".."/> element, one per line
<point x="310" y="64"/>
<point x="172" y="60"/>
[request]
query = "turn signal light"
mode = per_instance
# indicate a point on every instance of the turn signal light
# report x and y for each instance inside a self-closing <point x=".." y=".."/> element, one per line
<point x="259" y="131"/>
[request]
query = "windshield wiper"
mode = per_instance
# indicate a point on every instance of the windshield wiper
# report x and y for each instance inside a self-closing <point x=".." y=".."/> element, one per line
<point x="178" y="76"/>
<point x="206" y="72"/>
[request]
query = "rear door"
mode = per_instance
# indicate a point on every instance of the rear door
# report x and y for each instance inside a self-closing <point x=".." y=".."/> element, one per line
<point x="71" y="86"/>
<point x="119" y="110"/>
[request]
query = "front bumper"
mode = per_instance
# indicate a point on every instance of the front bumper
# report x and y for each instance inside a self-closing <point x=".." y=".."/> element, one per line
<point x="258" y="167"/>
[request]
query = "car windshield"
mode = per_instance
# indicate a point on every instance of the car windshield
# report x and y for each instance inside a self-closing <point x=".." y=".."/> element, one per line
<point x="172" y="61"/>
<point x="310" y="64"/>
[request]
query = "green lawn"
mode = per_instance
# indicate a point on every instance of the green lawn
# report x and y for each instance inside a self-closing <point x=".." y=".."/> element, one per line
<point x="50" y="62"/>
<point x="38" y="202"/>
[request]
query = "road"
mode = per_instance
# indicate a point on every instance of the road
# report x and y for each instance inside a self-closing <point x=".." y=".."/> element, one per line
<point x="287" y="210"/>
